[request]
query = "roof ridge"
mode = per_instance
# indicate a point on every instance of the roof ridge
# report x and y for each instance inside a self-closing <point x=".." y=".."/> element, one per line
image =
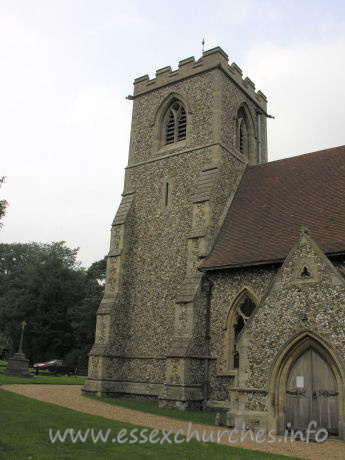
<point x="295" y="157"/>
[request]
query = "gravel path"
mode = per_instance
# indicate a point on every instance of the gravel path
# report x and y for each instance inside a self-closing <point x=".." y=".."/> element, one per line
<point x="70" y="396"/>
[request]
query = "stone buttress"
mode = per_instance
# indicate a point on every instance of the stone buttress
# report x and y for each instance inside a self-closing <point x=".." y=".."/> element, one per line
<point x="186" y="158"/>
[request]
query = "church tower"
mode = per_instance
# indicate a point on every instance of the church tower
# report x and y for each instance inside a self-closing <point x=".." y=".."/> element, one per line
<point x="194" y="130"/>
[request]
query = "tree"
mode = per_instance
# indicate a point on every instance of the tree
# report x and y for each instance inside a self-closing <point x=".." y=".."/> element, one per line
<point x="83" y="316"/>
<point x="42" y="284"/>
<point x="15" y="258"/>
<point x="3" y="203"/>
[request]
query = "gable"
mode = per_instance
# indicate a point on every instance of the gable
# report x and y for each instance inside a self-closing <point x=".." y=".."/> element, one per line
<point x="293" y="304"/>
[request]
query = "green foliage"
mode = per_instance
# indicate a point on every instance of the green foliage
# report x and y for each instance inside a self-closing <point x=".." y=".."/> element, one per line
<point x="16" y="258"/>
<point x="83" y="316"/>
<point x="3" y="203"/>
<point x="40" y="286"/>
<point x="25" y="423"/>
<point x="44" y="285"/>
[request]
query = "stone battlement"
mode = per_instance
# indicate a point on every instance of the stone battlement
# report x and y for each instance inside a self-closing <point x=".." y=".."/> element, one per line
<point x="211" y="59"/>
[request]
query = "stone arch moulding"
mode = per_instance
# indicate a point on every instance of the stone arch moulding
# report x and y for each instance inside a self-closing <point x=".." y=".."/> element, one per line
<point x="251" y="131"/>
<point x="245" y="107"/>
<point x="157" y="124"/>
<point x="281" y="367"/>
<point x="229" y="321"/>
<point x="246" y="291"/>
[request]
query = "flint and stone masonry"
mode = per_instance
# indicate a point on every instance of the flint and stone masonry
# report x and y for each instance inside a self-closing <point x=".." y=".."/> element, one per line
<point x="169" y="326"/>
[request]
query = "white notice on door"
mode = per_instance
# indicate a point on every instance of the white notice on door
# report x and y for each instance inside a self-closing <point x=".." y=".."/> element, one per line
<point x="299" y="381"/>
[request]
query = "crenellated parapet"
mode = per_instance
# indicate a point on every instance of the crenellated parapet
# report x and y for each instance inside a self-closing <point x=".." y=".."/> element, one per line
<point x="211" y="59"/>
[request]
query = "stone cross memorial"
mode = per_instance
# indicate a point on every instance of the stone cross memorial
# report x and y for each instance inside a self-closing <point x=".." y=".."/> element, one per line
<point x="18" y="366"/>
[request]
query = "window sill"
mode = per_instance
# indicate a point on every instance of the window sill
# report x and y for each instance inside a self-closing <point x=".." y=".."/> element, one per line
<point x="171" y="147"/>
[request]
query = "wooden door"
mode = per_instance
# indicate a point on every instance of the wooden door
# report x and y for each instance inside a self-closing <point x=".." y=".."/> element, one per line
<point x="312" y="394"/>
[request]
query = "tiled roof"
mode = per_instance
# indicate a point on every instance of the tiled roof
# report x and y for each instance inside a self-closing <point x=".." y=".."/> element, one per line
<point x="274" y="200"/>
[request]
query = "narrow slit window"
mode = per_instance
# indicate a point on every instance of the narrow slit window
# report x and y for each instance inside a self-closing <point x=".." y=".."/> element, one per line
<point x="167" y="194"/>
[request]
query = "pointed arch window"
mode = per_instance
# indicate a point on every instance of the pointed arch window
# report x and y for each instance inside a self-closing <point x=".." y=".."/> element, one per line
<point x="242" y="135"/>
<point x="245" y="134"/>
<point x="175" y="123"/>
<point x="240" y="313"/>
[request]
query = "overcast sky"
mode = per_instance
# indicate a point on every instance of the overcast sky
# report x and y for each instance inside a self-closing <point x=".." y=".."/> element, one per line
<point x="67" y="66"/>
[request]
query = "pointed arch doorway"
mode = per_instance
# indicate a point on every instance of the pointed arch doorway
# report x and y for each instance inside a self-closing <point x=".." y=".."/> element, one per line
<point x="318" y="396"/>
<point x="312" y="393"/>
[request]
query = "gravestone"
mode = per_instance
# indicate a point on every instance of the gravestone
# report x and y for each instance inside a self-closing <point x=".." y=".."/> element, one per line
<point x="18" y="366"/>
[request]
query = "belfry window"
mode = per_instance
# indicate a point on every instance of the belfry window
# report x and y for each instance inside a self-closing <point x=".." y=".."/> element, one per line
<point x="243" y="133"/>
<point x="175" y="123"/>
<point x="243" y="136"/>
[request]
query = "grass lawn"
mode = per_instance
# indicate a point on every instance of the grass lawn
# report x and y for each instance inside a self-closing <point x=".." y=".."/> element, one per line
<point x="42" y="377"/>
<point x="152" y="408"/>
<point x="24" y="425"/>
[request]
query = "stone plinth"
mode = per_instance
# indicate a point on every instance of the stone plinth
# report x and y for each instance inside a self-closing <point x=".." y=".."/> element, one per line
<point x="18" y="366"/>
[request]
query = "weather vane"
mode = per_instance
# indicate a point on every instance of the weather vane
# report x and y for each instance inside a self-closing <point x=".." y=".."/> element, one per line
<point x="203" y="45"/>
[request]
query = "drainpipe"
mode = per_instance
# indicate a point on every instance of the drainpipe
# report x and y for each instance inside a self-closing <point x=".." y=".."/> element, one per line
<point x="259" y="136"/>
<point x="207" y="287"/>
<point x="258" y="113"/>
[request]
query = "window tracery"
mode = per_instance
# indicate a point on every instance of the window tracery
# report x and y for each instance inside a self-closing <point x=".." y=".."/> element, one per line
<point x="175" y="123"/>
<point x="240" y="313"/>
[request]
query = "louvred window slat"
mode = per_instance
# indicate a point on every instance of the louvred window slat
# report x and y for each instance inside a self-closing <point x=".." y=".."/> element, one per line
<point x="176" y="123"/>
